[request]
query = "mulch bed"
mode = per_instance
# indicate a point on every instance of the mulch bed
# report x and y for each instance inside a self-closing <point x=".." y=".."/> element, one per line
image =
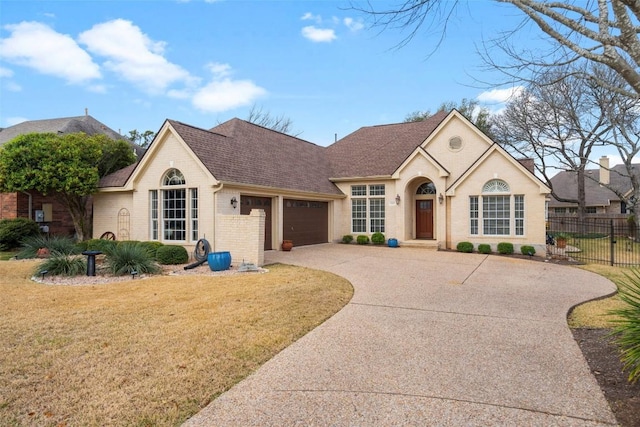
<point x="603" y="358"/>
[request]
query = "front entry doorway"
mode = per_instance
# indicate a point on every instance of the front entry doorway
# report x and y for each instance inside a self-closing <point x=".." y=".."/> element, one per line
<point x="424" y="219"/>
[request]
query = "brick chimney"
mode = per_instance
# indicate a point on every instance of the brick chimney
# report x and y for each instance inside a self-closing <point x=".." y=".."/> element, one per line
<point x="529" y="164"/>
<point x="604" y="170"/>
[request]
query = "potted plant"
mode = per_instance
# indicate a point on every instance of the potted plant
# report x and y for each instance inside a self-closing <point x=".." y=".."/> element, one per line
<point x="287" y="245"/>
<point x="561" y="240"/>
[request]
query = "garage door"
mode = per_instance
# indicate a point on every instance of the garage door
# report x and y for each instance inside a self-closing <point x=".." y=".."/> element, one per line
<point x="250" y="202"/>
<point x="305" y="222"/>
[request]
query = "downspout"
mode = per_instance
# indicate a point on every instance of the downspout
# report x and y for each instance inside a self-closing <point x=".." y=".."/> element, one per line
<point x="30" y="204"/>
<point x="212" y="243"/>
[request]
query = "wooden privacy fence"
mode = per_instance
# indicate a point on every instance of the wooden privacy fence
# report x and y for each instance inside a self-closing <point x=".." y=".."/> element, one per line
<point x="612" y="241"/>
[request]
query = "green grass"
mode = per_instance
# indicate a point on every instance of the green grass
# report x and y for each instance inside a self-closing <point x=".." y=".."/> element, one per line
<point x="7" y="255"/>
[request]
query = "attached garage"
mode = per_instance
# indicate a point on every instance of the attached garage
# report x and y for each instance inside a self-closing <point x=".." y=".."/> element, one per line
<point x="305" y="222"/>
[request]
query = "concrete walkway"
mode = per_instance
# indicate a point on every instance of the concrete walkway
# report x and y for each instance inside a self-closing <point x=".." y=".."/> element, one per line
<point x="429" y="338"/>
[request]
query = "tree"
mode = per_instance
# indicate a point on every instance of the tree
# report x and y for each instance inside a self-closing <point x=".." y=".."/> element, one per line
<point x="142" y="139"/>
<point x="469" y="108"/>
<point x="69" y="165"/>
<point x="557" y="122"/>
<point x="262" y="118"/>
<point x="601" y="31"/>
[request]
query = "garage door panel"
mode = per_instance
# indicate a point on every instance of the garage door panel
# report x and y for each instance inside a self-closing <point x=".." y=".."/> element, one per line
<point x="305" y="222"/>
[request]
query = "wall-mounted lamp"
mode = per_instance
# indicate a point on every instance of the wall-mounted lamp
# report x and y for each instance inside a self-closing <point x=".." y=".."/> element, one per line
<point x="440" y="198"/>
<point x="234" y="202"/>
<point x="397" y="199"/>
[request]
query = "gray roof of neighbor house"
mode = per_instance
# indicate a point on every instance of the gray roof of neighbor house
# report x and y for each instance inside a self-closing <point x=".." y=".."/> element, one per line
<point x="86" y="124"/>
<point x="379" y="150"/>
<point x="565" y="184"/>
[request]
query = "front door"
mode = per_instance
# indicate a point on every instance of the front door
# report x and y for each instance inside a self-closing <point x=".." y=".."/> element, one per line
<point x="424" y="219"/>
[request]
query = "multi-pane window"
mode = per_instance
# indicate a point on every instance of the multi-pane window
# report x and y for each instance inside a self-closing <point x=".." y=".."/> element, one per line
<point x="173" y="210"/>
<point x="376" y="215"/>
<point x="174" y="214"/>
<point x="367" y="208"/>
<point x="473" y="214"/>
<point x="194" y="214"/>
<point x="359" y="215"/>
<point x="519" y="214"/>
<point x="153" y="208"/>
<point x="500" y="214"/>
<point x="496" y="215"/>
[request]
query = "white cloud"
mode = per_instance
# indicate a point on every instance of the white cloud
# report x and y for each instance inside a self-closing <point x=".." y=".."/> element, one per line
<point x="227" y="94"/>
<point x="37" y="46"/>
<point x="12" y="86"/>
<point x="311" y="17"/>
<point x="5" y="72"/>
<point x="353" y="25"/>
<point x="219" y="70"/>
<point x="319" y="35"/>
<point x="500" y="96"/>
<point x="134" y="56"/>
<point x="11" y="121"/>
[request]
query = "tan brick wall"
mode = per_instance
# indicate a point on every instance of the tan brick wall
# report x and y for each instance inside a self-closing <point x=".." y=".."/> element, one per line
<point x="242" y="235"/>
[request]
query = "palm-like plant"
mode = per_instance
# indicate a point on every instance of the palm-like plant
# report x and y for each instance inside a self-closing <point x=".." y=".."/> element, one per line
<point x="127" y="257"/>
<point x="627" y="331"/>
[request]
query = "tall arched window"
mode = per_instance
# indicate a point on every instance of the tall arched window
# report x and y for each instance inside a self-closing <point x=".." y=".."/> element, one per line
<point x="173" y="215"/>
<point x="495" y="211"/>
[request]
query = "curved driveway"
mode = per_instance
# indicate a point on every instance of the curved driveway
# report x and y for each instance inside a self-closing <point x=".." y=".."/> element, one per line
<point x="429" y="338"/>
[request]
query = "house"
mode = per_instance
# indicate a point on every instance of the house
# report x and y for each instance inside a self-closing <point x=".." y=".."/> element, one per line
<point x="48" y="210"/>
<point x="246" y="188"/>
<point x="600" y="199"/>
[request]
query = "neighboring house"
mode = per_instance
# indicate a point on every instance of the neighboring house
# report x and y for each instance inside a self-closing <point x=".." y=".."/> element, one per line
<point x="48" y="210"/>
<point x="600" y="199"/>
<point x="434" y="183"/>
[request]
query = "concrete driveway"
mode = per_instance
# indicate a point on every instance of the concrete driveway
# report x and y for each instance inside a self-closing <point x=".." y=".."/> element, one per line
<point x="429" y="338"/>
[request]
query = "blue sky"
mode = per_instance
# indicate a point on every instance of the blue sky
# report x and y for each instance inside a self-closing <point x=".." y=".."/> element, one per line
<point x="134" y="64"/>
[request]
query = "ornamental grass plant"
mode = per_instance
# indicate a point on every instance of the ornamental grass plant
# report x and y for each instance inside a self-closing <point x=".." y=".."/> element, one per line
<point x="627" y="326"/>
<point x="128" y="257"/>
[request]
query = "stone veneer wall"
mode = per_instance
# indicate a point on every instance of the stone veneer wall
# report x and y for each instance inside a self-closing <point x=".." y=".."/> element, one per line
<point x="242" y="235"/>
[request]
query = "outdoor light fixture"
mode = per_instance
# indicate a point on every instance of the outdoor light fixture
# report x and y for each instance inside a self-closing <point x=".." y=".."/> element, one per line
<point x="397" y="199"/>
<point x="43" y="272"/>
<point x="133" y="274"/>
<point x="440" y="198"/>
<point x="234" y="202"/>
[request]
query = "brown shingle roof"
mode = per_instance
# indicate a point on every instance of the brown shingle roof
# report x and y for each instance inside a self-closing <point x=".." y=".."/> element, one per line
<point x="565" y="184"/>
<point x="117" y="178"/>
<point x="379" y="150"/>
<point x="241" y="152"/>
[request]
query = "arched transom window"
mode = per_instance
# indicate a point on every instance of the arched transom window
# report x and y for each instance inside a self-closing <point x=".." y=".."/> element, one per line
<point x="496" y="186"/>
<point x="497" y="212"/>
<point x="173" y="177"/>
<point x="173" y="210"/>
<point x="426" y="188"/>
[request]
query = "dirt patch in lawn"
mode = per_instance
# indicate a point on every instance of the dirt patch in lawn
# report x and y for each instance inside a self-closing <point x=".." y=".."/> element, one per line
<point x="604" y="361"/>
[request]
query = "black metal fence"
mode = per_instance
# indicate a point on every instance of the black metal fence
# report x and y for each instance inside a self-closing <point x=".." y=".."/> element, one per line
<point x="595" y="240"/>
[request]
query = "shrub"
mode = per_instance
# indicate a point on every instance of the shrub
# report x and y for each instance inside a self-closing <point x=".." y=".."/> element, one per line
<point x="484" y="248"/>
<point x="377" y="238"/>
<point x="172" y="254"/>
<point x="505" y="248"/>
<point x="362" y="240"/>
<point x="101" y="245"/>
<point x="151" y="247"/>
<point x="627" y="331"/>
<point x="131" y="256"/>
<point x="60" y="244"/>
<point x="347" y="238"/>
<point x="59" y="264"/>
<point x="12" y="231"/>
<point x="466" y="247"/>
<point x="527" y="250"/>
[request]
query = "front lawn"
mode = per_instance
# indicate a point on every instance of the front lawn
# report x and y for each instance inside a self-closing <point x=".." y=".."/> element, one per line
<point x="146" y="352"/>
